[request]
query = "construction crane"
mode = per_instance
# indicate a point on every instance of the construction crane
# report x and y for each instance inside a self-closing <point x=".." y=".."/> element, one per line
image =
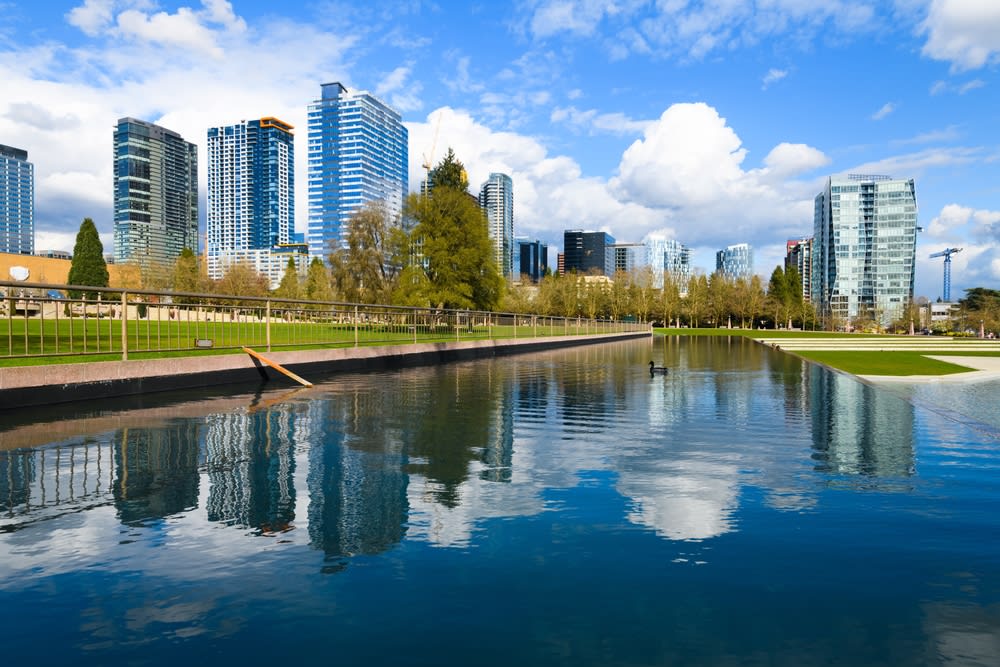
<point x="947" y="253"/>
<point x="427" y="164"/>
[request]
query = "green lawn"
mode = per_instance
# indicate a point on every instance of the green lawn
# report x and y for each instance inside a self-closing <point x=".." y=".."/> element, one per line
<point x="884" y="363"/>
<point x="33" y="341"/>
<point x="856" y="362"/>
<point x="764" y="333"/>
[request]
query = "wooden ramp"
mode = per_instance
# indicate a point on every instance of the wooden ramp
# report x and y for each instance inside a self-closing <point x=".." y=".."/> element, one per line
<point x="259" y="359"/>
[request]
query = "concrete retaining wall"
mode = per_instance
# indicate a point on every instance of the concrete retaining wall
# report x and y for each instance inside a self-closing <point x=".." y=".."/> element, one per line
<point x="44" y="385"/>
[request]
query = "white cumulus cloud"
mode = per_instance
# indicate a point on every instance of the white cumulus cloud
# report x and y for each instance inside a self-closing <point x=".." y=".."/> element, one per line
<point x="965" y="33"/>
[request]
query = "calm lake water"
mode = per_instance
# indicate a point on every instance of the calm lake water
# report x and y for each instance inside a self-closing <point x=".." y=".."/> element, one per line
<point x="559" y="508"/>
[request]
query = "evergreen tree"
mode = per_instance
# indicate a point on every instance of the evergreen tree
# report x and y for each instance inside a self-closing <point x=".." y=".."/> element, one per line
<point x="289" y="286"/>
<point x="449" y="173"/>
<point x="88" y="267"/>
<point x="457" y="257"/>
<point x="318" y="286"/>
<point x="777" y="295"/>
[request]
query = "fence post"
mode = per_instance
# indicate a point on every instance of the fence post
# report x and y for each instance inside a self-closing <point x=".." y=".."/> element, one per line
<point x="267" y="324"/>
<point x="355" y="326"/>
<point x="124" y="325"/>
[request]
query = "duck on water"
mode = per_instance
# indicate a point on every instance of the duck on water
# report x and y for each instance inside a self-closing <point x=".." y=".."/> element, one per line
<point x="657" y="370"/>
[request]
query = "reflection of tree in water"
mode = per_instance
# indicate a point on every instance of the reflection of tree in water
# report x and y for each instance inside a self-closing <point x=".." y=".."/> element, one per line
<point x="156" y="472"/>
<point x="859" y="430"/>
<point x="451" y="423"/>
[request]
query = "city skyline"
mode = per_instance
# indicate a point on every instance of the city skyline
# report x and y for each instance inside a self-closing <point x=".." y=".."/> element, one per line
<point x="634" y="121"/>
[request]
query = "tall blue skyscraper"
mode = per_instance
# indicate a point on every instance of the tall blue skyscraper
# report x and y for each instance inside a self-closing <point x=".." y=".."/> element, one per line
<point x="156" y="194"/>
<point x="251" y="196"/>
<point x="357" y="154"/>
<point x="17" y="201"/>
<point x="496" y="196"/>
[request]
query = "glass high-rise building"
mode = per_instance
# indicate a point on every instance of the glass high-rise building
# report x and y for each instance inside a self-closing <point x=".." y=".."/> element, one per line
<point x="17" y="202"/>
<point x="586" y="252"/>
<point x="531" y="258"/>
<point x="667" y="256"/>
<point x="496" y="196"/>
<point x="864" y="246"/>
<point x="798" y="253"/>
<point x="357" y="154"/>
<point x="629" y="257"/>
<point x="156" y="194"/>
<point x="251" y="196"/>
<point x="735" y="261"/>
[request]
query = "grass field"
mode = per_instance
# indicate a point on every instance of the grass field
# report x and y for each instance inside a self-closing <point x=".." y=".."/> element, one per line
<point x="901" y="362"/>
<point x="34" y="341"/>
<point x="765" y="333"/>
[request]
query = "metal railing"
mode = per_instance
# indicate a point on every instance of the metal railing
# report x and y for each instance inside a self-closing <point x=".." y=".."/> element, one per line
<point x="42" y="320"/>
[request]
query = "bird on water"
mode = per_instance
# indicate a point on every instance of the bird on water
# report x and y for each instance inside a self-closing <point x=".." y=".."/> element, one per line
<point x="654" y="369"/>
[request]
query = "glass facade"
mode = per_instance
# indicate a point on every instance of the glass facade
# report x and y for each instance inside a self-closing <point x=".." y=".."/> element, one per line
<point x="357" y="153"/>
<point x="496" y="196"/>
<point x="668" y="256"/>
<point x="629" y="257"/>
<point x="864" y="246"/>
<point x="251" y="196"/>
<point x="532" y="258"/>
<point x="735" y="261"/>
<point x="17" y="202"/>
<point x="156" y="194"/>
<point x="798" y="253"/>
<point x="586" y="252"/>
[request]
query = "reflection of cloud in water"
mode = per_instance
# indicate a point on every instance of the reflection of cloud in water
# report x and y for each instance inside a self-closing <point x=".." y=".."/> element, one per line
<point x="684" y="500"/>
<point x="479" y="498"/>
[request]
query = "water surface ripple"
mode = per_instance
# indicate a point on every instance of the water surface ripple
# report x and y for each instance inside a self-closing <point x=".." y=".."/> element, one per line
<point x="558" y="508"/>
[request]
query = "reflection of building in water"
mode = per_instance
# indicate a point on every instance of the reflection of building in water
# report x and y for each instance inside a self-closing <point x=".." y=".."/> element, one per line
<point x="251" y="466"/>
<point x="587" y="386"/>
<point x="40" y="484"/>
<point x="157" y="472"/>
<point x="499" y="448"/>
<point x="859" y="430"/>
<point x="357" y="496"/>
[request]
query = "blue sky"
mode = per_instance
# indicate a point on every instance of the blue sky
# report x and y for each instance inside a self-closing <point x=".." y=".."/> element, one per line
<point x="710" y="121"/>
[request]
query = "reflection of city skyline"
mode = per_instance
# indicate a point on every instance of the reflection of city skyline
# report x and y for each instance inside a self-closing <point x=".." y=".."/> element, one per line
<point x="433" y="451"/>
